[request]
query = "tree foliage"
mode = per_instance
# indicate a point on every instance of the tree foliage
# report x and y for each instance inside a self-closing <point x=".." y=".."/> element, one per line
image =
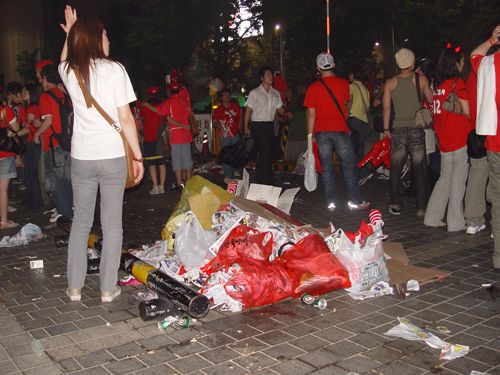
<point x="26" y="62"/>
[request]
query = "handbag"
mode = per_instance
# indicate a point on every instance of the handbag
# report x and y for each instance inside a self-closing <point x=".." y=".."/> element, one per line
<point x="452" y="102"/>
<point x="193" y="125"/>
<point x="475" y="145"/>
<point x="129" y="154"/>
<point x="235" y="155"/>
<point x="9" y="140"/>
<point x="423" y="117"/>
<point x="354" y="132"/>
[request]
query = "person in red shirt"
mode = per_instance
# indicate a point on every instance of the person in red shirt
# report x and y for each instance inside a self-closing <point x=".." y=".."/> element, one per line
<point x="57" y="161"/>
<point x="487" y="69"/>
<point x="452" y="131"/>
<point x="7" y="165"/>
<point x="175" y="109"/>
<point x="151" y="123"/>
<point x="227" y="118"/>
<point x="30" y="121"/>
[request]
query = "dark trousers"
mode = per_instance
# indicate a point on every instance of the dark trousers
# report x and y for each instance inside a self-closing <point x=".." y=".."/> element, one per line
<point x="31" y="158"/>
<point x="263" y="135"/>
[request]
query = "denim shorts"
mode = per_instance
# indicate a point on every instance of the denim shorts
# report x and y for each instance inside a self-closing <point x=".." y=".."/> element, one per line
<point x="8" y="168"/>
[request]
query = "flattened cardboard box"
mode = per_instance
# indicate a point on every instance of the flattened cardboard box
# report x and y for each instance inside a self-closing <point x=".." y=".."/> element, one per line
<point x="400" y="271"/>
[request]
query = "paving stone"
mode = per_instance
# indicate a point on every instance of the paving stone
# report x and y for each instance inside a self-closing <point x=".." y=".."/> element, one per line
<point x="69" y="365"/>
<point x="189" y="363"/>
<point x="320" y="358"/>
<point x="358" y="364"/>
<point x="309" y="343"/>
<point x="215" y="340"/>
<point x="382" y="354"/>
<point x="283" y="352"/>
<point x="99" y="344"/>
<point x="248" y="346"/>
<point x="330" y="370"/>
<point x="15" y="340"/>
<point x="157" y="370"/>
<point x="423" y="359"/>
<point x="48" y="369"/>
<point x="124" y="366"/>
<point x="485" y="355"/>
<point x="156" y="357"/>
<point x="65" y="352"/>
<point x="186" y="348"/>
<point x="56" y="342"/>
<point x="8" y="367"/>
<point x="220" y="354"/>
<point x="465" y="365"/>
<point x="226" y="368"/>
<point x="255" y="361"/>
<point x="90" y="322"/>
<point x="399" y="368"/>
<point x="355" y="326"/>
<point x="293" y="367"/>
<point x="244" y="331"/>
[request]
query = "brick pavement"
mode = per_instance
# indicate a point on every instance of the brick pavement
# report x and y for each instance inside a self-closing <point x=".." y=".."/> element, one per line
<point x="284" y="338"/>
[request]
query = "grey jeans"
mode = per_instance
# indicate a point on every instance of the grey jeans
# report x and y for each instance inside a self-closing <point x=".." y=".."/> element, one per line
<point x="87" y="177"/>
<point x="475" y="200"/>
<point x="449" y="191"/>
<point x="493" y="195"/>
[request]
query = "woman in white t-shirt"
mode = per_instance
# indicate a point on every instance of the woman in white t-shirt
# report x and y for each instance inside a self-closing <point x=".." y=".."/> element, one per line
<point x="97" y="153"/>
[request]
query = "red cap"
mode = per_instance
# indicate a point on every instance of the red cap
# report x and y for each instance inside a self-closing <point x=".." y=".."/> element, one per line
<point x="174" y="86"/>
<point x="152" y="91"/>
<point x="42" y="63"/>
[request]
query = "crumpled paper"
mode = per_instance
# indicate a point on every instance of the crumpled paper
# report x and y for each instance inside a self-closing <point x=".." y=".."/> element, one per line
<point x="28" y="234"/>
<point x="407" y="330"/>
<point x="383" y="288"/>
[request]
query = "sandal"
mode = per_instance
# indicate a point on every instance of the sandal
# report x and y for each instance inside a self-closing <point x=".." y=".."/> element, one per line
<point x="8" y="224"/>
<point x="443" y="224"/>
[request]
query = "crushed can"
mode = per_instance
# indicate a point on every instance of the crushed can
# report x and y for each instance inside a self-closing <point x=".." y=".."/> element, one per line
<point x="185" y="322"/>
<point x="313" y="301"/>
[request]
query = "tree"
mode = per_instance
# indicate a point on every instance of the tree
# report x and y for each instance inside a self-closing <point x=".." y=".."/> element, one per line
<point x="26" y="62"/>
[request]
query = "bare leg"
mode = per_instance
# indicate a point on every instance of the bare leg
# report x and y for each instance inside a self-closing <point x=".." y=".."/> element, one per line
<point x="178" y="176"/>
<point x="4" y="199"/>
<point x="154" y="176"/>
<point x="189" y="173"/>
<point x="163" y="174"/>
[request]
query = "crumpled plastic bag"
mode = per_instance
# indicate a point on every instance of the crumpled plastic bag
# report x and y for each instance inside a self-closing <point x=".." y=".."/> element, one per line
<point x="153" y="254"/>
<point x="315" y="268"/>
<point x="260" y="282"/>
<point x="409" y="331"/>
<point x="28" y="234"/>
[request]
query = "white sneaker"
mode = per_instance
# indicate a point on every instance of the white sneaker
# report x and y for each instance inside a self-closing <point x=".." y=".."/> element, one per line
<point x="53" y="219"/>
<point x="74" y="295"/>
<point x="161" y="189"/>
<point x="473" y="229"/>
<point x="11" y="209"/>
<point x="155" y="190"/>
<point x="110" y="296"/>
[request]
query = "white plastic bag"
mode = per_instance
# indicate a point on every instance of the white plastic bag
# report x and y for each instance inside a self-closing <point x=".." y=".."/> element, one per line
<point x="310" y="175"/>
<point x="366" y="265"/>
<point x="192" y="242"/>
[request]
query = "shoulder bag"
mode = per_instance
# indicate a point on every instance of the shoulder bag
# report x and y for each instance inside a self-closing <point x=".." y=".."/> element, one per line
<point x="193" y="125"/>
<point x="129" y="155"/>
<point x="354" y="132"/>
<point x="475" y="145"/>
<point x="452" y="102"/>
<point x="423" y="117"/>
<point x="9" y="140"/>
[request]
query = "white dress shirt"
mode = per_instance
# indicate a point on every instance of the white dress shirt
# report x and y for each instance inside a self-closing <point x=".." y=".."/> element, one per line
<point x="264" y="104"/>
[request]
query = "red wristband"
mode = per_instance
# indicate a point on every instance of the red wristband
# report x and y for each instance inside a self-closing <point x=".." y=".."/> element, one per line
<point x="139" y="160"/>
<point x="491" y="41"/>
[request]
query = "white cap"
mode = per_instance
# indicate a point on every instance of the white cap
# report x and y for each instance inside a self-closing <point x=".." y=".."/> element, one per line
<point x="324" y="61"/>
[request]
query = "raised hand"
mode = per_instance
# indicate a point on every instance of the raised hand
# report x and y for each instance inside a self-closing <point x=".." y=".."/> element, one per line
<point x="70" y="15"/>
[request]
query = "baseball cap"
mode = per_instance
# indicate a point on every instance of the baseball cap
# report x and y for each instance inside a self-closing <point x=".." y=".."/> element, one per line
<point x="42" y="63"/>
<point x="324" y="61"/>
<point x="404" y="58"/>
<point x="152" y="91"/>
<point x="174" y="86"/>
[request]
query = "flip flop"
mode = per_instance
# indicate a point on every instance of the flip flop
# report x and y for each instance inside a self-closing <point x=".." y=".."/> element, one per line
<point x="8" y="224"/>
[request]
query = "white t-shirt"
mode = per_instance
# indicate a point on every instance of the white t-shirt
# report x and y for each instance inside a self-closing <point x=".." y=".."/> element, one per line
<point x="93" y="137"/>
<point x="263" y="104"/>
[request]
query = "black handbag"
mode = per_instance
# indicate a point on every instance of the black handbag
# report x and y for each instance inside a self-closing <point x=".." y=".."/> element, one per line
<point x="475" y="145"/>
<point x="235" y="155"/>
<point x="13" y="143"/>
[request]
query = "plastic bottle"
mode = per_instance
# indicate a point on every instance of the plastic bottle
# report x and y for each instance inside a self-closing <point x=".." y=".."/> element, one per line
<point x="37" y="347"/>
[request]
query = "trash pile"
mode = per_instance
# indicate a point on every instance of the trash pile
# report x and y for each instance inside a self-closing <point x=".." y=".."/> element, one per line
<point x="243" y="254"/>
<point x="29" y="233"/>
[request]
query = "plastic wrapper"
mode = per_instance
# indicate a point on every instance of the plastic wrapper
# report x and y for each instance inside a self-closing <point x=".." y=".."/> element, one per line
<point x="192" y="242"/>
<point x="260" y="282"/>
<point x="310" y="175"/>
<point x="153" y="254"/>
<point x="243" y="242"/>
<point x="409" y="331"/>
<point x="193" y="187"/>
<point x="314" y="267"/>
<point x="27" y="234"/>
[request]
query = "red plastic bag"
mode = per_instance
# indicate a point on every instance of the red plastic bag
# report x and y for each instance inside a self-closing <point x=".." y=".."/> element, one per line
<point x="315" y="268"/>
<point x="260" y="282"/>
<point x="243" y="242"/>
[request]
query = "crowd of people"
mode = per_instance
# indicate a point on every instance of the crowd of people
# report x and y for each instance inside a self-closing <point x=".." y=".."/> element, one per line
<point x="87" y="87"/>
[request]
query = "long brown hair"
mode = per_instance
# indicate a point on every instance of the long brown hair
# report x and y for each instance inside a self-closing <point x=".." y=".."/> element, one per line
<point x="85" y="45"/>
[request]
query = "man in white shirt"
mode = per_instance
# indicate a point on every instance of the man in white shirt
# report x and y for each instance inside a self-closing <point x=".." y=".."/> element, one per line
<point x="261" y="106"/>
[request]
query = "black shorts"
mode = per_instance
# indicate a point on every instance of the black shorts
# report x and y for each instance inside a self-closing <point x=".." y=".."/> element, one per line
<point x="151" y="156"/>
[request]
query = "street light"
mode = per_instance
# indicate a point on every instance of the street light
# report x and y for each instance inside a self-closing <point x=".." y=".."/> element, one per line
<point x="278" y="27"/>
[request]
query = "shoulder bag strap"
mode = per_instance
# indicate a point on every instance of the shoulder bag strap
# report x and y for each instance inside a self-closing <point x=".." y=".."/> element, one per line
<point x="334" y="100"/>
<point x="91" y="101"/>
<point x="189" y="109"/>
<point x="454" y="84"/>
<point x="417" y="83"/>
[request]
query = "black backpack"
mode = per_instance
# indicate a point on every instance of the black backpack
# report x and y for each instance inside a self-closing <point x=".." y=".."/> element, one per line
<point x="66" y="115"/>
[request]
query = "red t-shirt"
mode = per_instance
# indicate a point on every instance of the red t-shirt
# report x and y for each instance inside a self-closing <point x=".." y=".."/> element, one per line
<point x="451" y="129"/>
<point x="472" y="94"/>
<point x="229" y="118"/>
<point x="10" y="117"/>
<point x="328" y="117"/>
<point x="48" y="106"/>
<point x="150" y="124"/>
<point x="176" y="107"/>
<point x="492" y="141"/>
<point x="31" y="125"/>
